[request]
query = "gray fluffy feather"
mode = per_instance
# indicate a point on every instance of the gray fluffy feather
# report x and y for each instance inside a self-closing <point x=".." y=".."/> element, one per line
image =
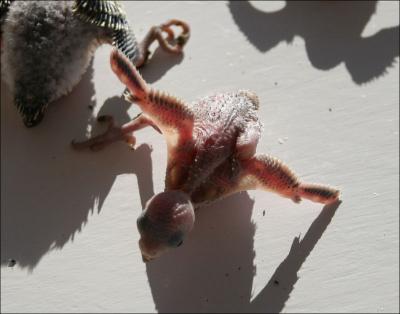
<point x="46" y="50"/>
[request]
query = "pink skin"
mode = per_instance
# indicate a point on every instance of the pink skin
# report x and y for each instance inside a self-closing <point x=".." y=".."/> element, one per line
<point x="163" y="229"/>
<point x="211" y="154"/>
<point x="114" y="133"/>
<point x="266" y="172"/>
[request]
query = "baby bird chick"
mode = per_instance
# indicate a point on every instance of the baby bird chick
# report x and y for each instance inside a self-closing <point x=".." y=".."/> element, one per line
<point x="47" y="46"/>
<point x="211" y="154"/>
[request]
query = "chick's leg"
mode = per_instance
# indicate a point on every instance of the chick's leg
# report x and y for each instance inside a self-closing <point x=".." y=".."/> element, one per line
<point x="168" y="43"/>
<point x="166" y="111"/>
<point x="115" y="133"/>
<point x="268" y="173"/>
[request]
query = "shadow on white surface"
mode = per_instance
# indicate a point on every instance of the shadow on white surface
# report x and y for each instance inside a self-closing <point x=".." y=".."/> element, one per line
<point x="331" y="31"/>
<point x="159" y="64"/>
<point x="214" y="270"/>
<point x="49" y="190"/>
<point x="275" y="294"/>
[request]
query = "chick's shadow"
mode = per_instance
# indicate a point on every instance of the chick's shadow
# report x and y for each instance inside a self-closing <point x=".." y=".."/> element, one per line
<point x="331" y="31"/>
<point x="215" y="264"/>
<point x="49" y="190"/>
<point x="214" y="270"/>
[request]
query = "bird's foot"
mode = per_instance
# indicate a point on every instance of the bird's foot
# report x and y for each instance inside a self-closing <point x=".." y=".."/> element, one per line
<point x="181" y="39"/>
<point x="169" y="43"/>
<point x="112" y="134"/>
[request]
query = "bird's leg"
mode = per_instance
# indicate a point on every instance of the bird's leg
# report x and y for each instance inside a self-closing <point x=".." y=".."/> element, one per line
<point x="166" y="111"/>
<point x="115" y="133"/>
<point x="267" y="173"/>
<point x="168" y="43"/>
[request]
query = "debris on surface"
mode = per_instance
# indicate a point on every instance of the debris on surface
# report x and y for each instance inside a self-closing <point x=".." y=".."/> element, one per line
<point x="282" y="140"/>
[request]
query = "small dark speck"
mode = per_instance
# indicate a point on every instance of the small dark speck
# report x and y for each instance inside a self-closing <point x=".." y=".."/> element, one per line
<point x="53" y="157"/>
<point x="206" y="300"/>
<point x="330" y="109"/>
<point x="227" y="275"/>
<point x="276" y="282"/>
<point x="239" y="268"/>
<point x="275" y="83"/>
<point x="90" y="107"/>
<point x="12" y="262"/>
<point x="263" y="212"/>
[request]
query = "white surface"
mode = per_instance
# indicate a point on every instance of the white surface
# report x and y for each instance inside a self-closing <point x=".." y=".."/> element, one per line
<point x="69" y="219"/>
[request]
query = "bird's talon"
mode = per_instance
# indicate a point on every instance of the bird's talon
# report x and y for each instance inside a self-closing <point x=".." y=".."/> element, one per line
<point x="131" y="141"/>
<point x="169" y="31"/>
<point x="296" y="199"/>
<point x="182" y="39"/>
<point x="156" y="128"/>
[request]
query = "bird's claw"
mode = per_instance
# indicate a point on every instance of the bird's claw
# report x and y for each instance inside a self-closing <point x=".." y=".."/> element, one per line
<point x="296" y="199"/>
<point x="112" y="134"/>
<point x="182" y="38"/>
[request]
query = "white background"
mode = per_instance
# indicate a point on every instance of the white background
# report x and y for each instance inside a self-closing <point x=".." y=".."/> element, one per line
<point x="329" y="111"/>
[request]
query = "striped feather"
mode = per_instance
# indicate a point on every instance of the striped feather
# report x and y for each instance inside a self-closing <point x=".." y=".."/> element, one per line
<point x="107" y="14"/>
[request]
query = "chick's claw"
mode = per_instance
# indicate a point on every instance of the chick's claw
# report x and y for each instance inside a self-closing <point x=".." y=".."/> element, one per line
<point x="112" y="134"/>
<point x="115" y="133"/>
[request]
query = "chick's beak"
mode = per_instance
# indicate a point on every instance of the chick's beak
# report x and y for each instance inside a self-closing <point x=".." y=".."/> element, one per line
<point x="146" y="258"/>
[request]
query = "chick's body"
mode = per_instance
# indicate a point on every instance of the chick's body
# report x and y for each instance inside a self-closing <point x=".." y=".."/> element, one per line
<point x="211" y="153"/>
<point x="221" y="123"/>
